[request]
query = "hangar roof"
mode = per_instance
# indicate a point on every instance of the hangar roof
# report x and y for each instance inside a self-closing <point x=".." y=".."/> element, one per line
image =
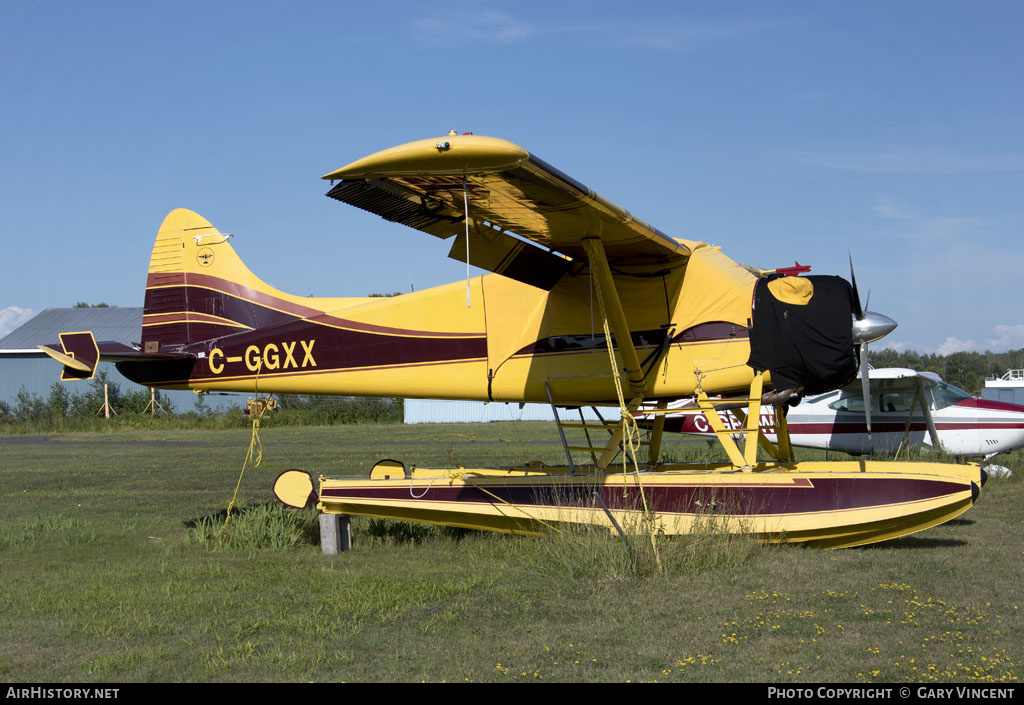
<point x="121" y="324"/>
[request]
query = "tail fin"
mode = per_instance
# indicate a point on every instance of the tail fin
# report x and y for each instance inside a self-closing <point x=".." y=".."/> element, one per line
<point x="198" y="288"/>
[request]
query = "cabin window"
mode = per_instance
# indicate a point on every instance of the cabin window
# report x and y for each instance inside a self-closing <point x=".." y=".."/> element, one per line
<point x="896" y="401"/>
<point x="944" y="395"/>
<point x="851" y="403"/>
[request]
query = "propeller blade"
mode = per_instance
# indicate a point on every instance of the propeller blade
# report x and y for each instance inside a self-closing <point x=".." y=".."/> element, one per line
<point x="859" y="310"/>
<point x="865" y="384"/>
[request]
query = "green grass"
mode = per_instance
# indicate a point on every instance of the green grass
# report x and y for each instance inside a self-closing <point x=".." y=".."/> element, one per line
<point x="116" y="567"/>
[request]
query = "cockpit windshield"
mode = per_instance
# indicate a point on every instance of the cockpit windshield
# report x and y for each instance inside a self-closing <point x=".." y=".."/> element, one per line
<point x="944" y="395"/>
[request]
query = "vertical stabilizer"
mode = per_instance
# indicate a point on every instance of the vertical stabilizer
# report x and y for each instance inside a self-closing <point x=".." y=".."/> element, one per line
<point x="198" y="289"/>
<point x="196" y="286"/>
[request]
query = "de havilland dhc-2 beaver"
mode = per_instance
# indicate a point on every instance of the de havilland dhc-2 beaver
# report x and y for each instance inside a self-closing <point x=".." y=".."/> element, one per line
<point x="583" y="305"/>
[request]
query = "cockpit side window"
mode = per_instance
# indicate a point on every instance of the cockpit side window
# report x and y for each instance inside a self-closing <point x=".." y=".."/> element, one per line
<point x="850" y="403"/>
<point x="896" y="401"/>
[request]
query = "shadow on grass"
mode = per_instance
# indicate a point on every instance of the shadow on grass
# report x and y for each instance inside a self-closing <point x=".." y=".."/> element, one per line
<point x="960" y="522"/>
<point x="913" y="542"/>
<point x="215" y="518"/>
<point x="401" y="532"/>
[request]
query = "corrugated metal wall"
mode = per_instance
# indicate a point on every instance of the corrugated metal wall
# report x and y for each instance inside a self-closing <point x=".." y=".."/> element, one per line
<point x="449" y="411"/>
<point x="36" y="373"/>
<point x="22" y="366"/>
<point x="1010" y="395"/>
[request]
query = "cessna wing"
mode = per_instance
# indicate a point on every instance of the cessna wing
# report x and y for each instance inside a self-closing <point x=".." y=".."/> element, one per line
<point x="501" y="196"/>
<point x="892" y="377"/>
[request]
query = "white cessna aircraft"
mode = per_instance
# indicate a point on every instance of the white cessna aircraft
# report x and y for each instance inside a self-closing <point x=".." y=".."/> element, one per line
<point x="905" y="407"/>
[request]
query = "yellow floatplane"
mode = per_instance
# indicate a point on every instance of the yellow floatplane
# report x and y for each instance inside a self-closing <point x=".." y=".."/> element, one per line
<point x="583" y="305"/>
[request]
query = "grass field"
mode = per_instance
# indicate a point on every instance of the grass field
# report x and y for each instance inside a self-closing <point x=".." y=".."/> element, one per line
<point x="111" y="571"/>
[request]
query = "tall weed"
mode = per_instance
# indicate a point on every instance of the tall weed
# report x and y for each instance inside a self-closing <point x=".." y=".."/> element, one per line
<point x="578" y="551"/>
<point x="259" y="526"/>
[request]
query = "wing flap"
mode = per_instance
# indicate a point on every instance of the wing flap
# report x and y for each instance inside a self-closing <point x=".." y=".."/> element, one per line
<point x="398" y="205"/>
<point x="516" y="259"/>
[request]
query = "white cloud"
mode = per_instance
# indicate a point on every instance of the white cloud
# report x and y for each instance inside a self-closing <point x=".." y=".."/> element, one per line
<point x="447" y="28"/>
<point x="681" y="34"/>
<point x="12" y="317"/>
<point x="931" y="230"/>
<point x="953" y="345"/>
<point x="893" y="212"/>
<point x="1007" y="338"/>
<point x="898" y="346"/>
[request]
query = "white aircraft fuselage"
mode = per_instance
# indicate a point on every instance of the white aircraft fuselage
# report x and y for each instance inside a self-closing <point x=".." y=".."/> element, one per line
<point x="964" y="425"/>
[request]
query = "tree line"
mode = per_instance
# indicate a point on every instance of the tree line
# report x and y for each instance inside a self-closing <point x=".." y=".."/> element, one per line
<point x="63" y="410"/>
<point x="966" y="370"/>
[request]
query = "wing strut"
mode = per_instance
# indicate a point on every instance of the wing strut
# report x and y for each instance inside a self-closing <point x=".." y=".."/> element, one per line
<point x="611" y="311"/>
<point x="926" y="407"/>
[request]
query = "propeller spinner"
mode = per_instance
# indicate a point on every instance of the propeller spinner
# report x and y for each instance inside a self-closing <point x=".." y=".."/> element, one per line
<point x="868" y="327"/>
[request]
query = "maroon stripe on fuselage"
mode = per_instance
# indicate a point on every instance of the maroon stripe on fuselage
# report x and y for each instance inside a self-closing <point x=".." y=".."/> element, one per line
<point x="197" y="331"/>
<point x="588" y="342"/>
<point x="214" y="287"/>
<point x="855" y="427"/>
<point x="715" y="331"/>
<point x="278" y="336"/>
<point x="204" y="301"/>
<point x="817" y="495"/>
<point x="712" y="330"/>
<point x="152" y="319"/>
<point x="990" y="404"/>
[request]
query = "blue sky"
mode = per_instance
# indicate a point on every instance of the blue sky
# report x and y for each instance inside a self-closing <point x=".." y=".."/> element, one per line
<point x="781" y="131"/>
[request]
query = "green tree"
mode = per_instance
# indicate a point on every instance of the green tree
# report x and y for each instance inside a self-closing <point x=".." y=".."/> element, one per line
<point x="58" y="404"/>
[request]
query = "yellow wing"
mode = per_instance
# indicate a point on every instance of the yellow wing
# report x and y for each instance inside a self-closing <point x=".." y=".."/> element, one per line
<point x="431" y="184"/>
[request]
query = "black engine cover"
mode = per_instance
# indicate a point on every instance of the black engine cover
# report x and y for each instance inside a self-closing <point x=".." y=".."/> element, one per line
<point x="810" y="345"/>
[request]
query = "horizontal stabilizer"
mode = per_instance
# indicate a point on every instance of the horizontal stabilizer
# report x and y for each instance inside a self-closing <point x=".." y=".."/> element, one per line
<point x="66" y="360"/>
<point x="79" y="353"/>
